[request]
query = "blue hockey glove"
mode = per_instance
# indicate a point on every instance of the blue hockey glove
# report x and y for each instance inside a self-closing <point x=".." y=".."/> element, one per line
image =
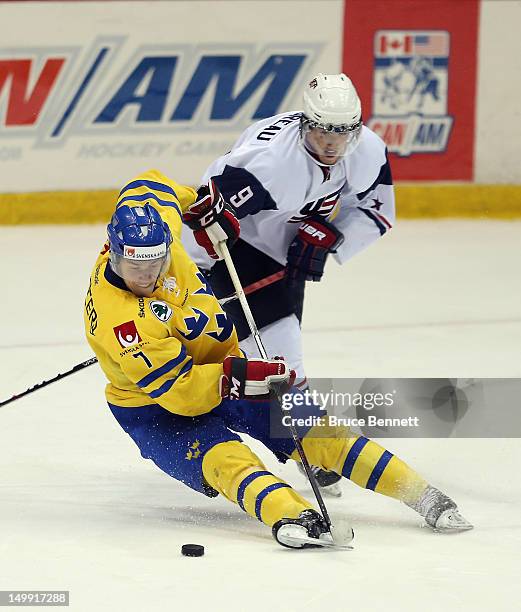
<point x="308" y="252"/>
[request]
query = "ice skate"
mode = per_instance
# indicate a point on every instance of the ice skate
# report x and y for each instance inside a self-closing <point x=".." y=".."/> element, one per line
<point x="440" y="512"/>
<point x="309" y="530"/>
<point x="452" y="520"/>
<point x="329" y="482"/>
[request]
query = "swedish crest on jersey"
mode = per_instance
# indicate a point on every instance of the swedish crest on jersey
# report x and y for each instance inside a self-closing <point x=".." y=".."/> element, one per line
<point x="161" y="310"/>
<point x="410" y="90"/>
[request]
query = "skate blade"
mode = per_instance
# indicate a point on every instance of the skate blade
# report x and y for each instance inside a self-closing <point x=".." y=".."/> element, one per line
<point x="315" y="543"/>
<point x="455" y="529"/>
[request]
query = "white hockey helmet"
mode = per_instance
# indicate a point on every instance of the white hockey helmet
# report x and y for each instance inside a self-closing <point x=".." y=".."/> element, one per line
<point x="332" y="105"/>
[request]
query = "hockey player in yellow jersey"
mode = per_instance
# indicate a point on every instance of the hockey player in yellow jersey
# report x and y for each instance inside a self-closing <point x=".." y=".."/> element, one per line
<point x="179" y="385"/>
<point x="177" y="322"/>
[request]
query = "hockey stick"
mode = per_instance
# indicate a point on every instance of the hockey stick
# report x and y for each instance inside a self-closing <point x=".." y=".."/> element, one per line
<point x="339" y="537"/>
<point x="76" y="368"/>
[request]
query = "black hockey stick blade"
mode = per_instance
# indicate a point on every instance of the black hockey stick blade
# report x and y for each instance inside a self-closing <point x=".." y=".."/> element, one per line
<point x="76" y="368"/>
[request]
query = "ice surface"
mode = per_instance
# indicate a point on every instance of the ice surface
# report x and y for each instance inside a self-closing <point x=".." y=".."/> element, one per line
<point x="81" y="511"/>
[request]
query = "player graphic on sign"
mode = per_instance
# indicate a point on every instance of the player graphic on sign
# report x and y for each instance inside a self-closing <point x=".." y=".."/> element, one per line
<point x="427" y="83"/>
<point x="409" y="84"/>
<point x="303" y="185"/>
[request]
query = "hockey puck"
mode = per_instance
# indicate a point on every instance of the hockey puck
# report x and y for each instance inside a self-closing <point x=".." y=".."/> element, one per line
<point x="192" y="550"/>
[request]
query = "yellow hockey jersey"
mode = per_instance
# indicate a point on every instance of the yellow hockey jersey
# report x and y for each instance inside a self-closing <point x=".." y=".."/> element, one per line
<point x="166" y="349"/>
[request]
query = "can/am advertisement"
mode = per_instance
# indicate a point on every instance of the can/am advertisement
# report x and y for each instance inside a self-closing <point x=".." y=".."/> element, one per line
<point x="415" y="64"/>
<point x="110" y="93"/>
<point x="122" y="87"/>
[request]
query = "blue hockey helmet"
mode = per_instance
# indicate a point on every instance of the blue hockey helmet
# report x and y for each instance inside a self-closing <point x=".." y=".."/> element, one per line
<point x="139" y="234"/>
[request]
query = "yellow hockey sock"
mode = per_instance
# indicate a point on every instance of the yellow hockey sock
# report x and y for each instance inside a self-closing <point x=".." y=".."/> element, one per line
<point x="233" y="470"/>
<point x="363" y="461"/>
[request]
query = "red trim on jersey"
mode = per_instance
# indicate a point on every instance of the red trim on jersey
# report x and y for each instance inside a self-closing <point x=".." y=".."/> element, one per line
<point x="382" y="219"/>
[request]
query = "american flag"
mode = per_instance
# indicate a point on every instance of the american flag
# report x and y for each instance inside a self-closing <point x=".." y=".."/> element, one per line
<point x="431" y="44"/>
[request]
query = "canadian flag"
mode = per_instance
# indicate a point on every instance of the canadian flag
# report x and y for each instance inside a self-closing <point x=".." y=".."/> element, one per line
<point x="395" y="44"/>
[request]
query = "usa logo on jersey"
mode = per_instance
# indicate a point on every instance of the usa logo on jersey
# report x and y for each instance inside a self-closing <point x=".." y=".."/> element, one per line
<point x="323" y="206"/>
<point x="410" y="90"/>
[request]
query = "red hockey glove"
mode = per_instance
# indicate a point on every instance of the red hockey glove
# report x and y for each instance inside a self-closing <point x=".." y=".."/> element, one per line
<point x="212" y="220"/>
<point x="308" y="252"/>
<point x="253" y="378"/>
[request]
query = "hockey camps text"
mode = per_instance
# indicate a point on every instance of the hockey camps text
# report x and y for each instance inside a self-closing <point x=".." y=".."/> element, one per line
<point x="54" y="93"/>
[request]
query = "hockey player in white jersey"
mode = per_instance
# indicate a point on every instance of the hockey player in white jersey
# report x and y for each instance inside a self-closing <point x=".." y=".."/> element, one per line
<point x="304" y="185"/>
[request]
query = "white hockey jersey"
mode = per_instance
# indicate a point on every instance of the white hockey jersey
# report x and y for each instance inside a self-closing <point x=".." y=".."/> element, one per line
<point x="274" y="184"/>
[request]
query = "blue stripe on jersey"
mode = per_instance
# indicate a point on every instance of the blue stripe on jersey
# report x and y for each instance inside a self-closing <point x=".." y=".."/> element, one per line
<point x="168" y="384"/>
<point x="384" y="178"/>
<point x="373" y="217"/>
<point x="148" y="196"/>
<point x="378" y="470"/>
<point x="242" y="487"/>
<point x="243" y="191"/>
<point x="352" y="456"/>
<point x="151" y="185"/>
<point x="166" y="367"/>
<point x="264" y="493"/>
